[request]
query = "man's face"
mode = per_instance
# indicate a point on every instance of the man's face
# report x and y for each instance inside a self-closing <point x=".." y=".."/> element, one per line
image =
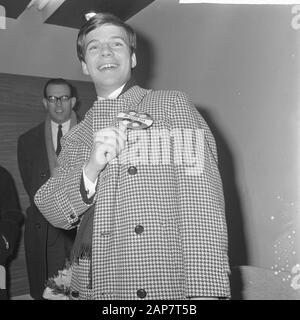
<point x="108" y="59"/>
<point x="61" y="109"/>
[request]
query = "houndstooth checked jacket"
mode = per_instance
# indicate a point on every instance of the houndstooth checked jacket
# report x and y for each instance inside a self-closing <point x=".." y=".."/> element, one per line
<point x="159" y="227"/>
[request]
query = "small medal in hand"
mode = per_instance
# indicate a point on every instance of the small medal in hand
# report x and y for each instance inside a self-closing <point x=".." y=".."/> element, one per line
<point x="135" y="120"/>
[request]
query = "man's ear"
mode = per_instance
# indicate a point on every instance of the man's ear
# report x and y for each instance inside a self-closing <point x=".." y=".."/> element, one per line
<point x="84" y="68"/>
<point x="133" y="60"/>
<point x="73" y="102"/>
<point x="45" y="103"/>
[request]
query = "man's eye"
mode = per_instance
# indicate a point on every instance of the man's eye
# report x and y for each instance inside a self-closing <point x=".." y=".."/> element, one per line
<point x="52" y="99"/>
<point x="64" y="98"/>
<point x="94" y="47"/>
<point x="117" y="44"/>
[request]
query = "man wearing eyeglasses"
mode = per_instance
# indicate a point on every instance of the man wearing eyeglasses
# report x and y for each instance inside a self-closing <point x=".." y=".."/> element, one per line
<point x="46" y="247"/>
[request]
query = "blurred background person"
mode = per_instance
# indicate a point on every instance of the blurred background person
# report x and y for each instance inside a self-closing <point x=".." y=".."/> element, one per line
<point x="11" y="219"/>
<point x="46" y="247"/>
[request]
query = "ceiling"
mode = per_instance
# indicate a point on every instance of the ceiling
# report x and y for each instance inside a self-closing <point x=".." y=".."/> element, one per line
<point x="14" y="8"/>
<point x="70" y="12"/>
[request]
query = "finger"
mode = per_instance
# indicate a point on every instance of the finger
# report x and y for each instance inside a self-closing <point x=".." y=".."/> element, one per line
<point x="122" y="127"/>
<point x="109" y="132"/>
<point x="117" y="143"/>
<point x="110" y="153"/>
<point x="105" y="153"/>
<point x="122" y="132"/>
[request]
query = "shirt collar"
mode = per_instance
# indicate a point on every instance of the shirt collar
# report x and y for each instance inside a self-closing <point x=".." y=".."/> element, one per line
<point x="65" y="125"/>
<point x="114" y="94"/>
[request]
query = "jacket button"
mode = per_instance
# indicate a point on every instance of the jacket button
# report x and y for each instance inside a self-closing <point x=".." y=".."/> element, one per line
<point x="75" y="294"/>
<point x="139" y="229"/>
<point x="141" y="293"/>
<point x="75" y="223"/>
<point x="38" y="225"/>
<point x="132" y="170"/>
<point x="43" y="175"/>
<point x="72" y="216"/>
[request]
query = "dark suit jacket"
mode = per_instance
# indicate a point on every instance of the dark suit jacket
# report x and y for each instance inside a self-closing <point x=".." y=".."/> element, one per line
<point x="10" y="220"/>
<point x="35" y="171"/>
<point x="10" y="215"/>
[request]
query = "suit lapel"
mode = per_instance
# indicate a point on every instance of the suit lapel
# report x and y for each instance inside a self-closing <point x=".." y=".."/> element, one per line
<point x="101" y="110"/>
<point x="43" y="151"/>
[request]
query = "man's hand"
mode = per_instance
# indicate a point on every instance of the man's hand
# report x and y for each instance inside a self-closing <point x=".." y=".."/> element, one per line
<point x="108" y="144"/>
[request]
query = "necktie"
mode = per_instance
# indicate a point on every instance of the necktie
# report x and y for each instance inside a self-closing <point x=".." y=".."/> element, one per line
<point x="59" y="135"/>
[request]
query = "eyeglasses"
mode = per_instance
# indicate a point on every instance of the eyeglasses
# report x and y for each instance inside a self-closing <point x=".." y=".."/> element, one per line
<point x="54" y="100"/>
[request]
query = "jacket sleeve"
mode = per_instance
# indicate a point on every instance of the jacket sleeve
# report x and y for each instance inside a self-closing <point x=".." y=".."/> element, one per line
<point x="202" y="221"/>
<point x="60" y="199"/>
<point x="11" y="217"/>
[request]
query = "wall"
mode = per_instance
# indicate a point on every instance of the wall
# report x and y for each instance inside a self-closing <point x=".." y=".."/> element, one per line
<point x="240" y="66"/>
<point x="30" y="47"/>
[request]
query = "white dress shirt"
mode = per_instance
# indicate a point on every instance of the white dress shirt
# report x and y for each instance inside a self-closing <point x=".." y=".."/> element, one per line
<point x="54" y="128"/>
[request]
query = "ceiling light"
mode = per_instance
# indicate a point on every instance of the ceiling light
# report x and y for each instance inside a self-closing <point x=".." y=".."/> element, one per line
<point x="89" y="14"/>
<point x="41" y="4"/>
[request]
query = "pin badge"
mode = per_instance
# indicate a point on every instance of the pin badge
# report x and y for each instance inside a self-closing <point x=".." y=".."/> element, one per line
<point x="135" y="120"/>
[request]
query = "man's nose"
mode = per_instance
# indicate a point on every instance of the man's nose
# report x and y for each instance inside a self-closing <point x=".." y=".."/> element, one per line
<point x="58" y="102"/>
<point x="106" y="49"/>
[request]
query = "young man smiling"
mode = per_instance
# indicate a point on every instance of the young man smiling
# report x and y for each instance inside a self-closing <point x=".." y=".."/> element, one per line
<point x="152" y="230"/>
<point x="108" y="58"/>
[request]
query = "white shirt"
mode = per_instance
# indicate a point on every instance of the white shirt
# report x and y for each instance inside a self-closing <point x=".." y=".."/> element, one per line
<point x="54" y="128"/>
<point x="90" y="186"/>
<point x="114" y="94"/>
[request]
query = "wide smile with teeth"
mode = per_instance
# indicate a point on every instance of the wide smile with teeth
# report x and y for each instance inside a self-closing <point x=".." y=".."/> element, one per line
<point x="107" y="66"/>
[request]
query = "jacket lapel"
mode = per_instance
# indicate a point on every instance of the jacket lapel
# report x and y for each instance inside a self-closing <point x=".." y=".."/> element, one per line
<point x="106" y="115"/>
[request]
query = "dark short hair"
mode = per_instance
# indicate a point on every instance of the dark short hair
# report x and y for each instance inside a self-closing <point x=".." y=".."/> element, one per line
<point x="97" y="21"/>
<point x="58" y="81"/>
